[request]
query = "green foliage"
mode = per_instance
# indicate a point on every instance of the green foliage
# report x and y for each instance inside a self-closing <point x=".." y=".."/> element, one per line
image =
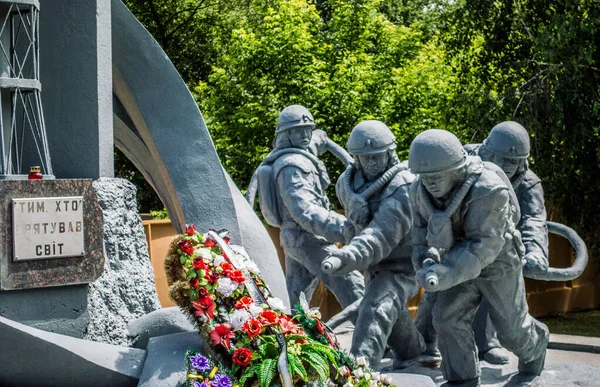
<point x="159" y="214"/>
<point x="457" y="65"/>
<point x="536" y="62"/>
<point x="344" y="70"/>
<point x="267" y="372"/>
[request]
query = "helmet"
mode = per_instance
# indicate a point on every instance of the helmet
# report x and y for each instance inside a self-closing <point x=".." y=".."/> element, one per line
<point x="434" y="151"/>
<point x="370" y="137"/>
<point x="294" y="116"/>
<point x="508" y="139"/>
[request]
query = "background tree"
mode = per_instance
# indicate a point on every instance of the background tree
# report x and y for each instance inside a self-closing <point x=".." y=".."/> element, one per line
<point x="457" y="65"/>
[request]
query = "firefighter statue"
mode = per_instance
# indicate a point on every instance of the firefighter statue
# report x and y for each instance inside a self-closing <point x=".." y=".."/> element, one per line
<point x="291" y="184"/>
<point x="467" y="250"/>
<point x="375" y="194"/>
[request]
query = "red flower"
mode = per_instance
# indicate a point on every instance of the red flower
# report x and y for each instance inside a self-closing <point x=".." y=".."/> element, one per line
<point x="198" y="263"/>
<point x="288" y="326"/>
<point x="202" y="292"/>
<point x="267" y="317"/>
<point x="221" y="335"/>
<point x="204" y="307"/>
<point x="227" y="267"/>
<point x="190" y="229"/>
<point x="244" y="302"/>
<point x="252" y="327"/>
<point x="242" y="356"/>
<point x="186" y="246"/>
<point x="194" y="282"/>
<point x="236" y="276"/>
<point x="226" y="240"/>
<point x="209" y="243"/>
<point x="212" y="276"/>
<point x="320" y="327"/>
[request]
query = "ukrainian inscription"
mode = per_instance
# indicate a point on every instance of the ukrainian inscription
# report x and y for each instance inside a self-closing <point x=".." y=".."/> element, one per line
<point x="48" y="228"/>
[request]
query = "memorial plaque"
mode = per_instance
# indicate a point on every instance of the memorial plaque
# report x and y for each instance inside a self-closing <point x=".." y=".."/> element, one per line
<point x="51" y="233"/>
<point x="46" y="228"/>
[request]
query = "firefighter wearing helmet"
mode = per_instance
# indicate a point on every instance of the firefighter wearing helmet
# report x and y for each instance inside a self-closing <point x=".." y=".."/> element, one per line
<point x="374" y="191"/>
<point x="293" y="198"/>
<point x="508" y="147"/>
<point x="466" y="249"/>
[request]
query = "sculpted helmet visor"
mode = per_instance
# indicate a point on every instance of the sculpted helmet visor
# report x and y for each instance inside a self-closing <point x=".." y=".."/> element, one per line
<point x="294" y="116"/>
<point x="370" y="137"/>
<point x="508" y="139"/>
<point x="436" y="151"/>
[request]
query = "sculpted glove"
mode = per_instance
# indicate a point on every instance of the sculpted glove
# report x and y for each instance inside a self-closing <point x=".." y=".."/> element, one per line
<point x="446" y="277"/>
<point x="536" y="261"/>
<point x="340" y="262"/>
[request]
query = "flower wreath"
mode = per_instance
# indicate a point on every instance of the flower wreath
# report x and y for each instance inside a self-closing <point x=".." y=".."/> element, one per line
<point x="243" y="334"/>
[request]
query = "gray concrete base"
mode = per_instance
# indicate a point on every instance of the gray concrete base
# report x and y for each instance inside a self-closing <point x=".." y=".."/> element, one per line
<point x="563" y="368"/>
<point x="166" y="359"/>
<point x="31" y="357"/>
<point x="161" y="322"/>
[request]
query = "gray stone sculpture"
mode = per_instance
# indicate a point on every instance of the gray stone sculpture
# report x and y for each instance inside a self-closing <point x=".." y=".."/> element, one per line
<point x="291" y="186"/>
<point x="508" y="147"/>
<point x="466" y="250"/>
<point x="375" y="193"/>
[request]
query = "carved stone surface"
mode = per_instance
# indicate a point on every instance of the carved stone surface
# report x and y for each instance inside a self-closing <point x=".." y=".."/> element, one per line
<point x="51" y="272"/>
<point x="126" y="290"/>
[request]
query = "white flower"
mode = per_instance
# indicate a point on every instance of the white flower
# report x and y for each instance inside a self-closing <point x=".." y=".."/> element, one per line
<point x="238" y="318"/>
<point x="376" y="376"/>
<point x="204" y="253"/>
<point x="219" y="259"/>
<point x="252" y="268"/>
<point x="255" y="309"/>
<point x="348" y="385"/>
<point x="276" y="304"/>
<point x="388" y="379"/>
<point x="373" y="383"/>
<point x="359" y="373"/>
<point x="343" y="370"/>
<point x="226" y="286"/>
<point x="362" y="361"/>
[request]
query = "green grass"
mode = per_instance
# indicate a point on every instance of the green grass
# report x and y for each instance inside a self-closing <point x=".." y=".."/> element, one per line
<point x="577" y="323"/>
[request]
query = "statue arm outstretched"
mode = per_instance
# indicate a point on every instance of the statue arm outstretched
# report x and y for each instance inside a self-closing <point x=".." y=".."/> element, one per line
<point x="390" y="224"/>
<point x="419" y="229"/>
<point x="532" y="226"/>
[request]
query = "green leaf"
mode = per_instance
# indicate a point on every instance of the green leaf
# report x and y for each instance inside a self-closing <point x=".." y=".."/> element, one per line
<point x="296" y="367"/>
<point x="317" y="363"/>
<point x="267" y="372"/>
<point x="250" y="372"/>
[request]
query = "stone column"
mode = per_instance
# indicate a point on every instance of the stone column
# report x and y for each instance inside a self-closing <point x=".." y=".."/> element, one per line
<point x="76" y="77"/>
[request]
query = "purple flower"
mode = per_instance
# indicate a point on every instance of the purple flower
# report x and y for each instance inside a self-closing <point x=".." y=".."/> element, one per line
<point x="221" y="381"/>
<point x="200" y="363"/>
<point x="198" y="384"/>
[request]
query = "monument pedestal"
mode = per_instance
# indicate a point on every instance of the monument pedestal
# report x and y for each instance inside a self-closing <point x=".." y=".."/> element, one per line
<point x="33" y="291"/>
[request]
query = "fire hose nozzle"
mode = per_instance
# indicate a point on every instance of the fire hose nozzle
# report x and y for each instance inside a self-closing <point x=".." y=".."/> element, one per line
<point x="432" y="279"/>
<point x="331" y="264"/>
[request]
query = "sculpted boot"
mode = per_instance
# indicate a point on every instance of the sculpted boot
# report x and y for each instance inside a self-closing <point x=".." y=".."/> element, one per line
<point x="495" y="356"/>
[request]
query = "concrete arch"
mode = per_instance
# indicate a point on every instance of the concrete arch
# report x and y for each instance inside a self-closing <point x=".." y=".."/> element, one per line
<point x="159" y="127"/>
